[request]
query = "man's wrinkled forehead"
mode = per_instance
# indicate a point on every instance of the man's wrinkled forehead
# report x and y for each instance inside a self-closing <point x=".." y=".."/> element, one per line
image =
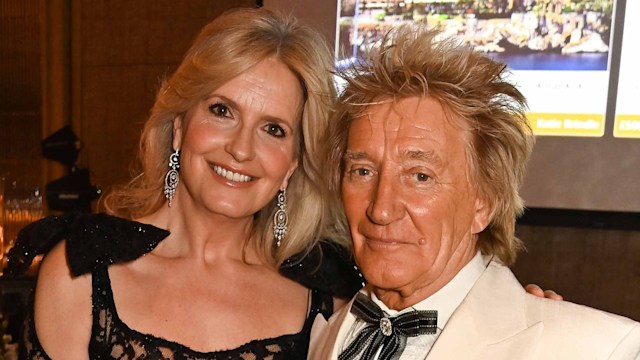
<point x="396" y="116"/>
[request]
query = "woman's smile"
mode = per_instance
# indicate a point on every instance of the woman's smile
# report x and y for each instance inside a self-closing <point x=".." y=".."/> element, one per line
<point x="231" y="175"/>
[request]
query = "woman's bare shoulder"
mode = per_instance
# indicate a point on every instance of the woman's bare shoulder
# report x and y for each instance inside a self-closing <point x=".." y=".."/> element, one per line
<point x="62" y="307"/>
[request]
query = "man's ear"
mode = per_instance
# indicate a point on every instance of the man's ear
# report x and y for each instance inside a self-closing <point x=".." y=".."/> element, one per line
<point x="177" y="132"/>
<point x="482" y="216"/>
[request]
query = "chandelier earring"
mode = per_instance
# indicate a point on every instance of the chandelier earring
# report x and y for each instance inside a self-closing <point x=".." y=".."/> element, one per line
<point x="172" y="178"/>
<point x="280" y="219"/>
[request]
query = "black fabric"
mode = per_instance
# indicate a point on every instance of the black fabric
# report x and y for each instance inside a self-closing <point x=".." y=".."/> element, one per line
<point x="98" y="239"/>
<point x="327" y="267"/>
<point x="94" y="241"/>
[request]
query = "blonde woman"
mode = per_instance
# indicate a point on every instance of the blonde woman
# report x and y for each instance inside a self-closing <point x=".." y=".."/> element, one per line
<point x="230" y="190"/>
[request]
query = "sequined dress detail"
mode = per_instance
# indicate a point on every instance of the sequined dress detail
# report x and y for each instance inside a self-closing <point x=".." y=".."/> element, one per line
<point x="96" y="241"/>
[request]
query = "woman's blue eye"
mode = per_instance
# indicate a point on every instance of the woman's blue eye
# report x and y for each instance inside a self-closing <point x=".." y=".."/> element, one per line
<point x="276" y="130"/>
<point x="220" y="110"/>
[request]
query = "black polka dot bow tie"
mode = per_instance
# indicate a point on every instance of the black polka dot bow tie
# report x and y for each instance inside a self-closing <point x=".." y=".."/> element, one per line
<point x="386" y="332"/>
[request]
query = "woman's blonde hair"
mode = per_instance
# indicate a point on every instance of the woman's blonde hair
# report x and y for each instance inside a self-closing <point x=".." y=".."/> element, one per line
<point x="225" y="48"/>
<point x="412" y="61"/>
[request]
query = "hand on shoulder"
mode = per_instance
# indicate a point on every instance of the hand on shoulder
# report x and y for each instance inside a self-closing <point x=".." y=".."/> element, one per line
<point x="536" y="290"/>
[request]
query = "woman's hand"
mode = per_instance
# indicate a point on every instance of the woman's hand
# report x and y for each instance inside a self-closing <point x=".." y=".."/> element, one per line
<point x="534" y="289"/>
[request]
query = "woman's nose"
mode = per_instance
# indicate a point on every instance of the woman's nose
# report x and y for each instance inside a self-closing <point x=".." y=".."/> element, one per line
<point x="240" y="146"/>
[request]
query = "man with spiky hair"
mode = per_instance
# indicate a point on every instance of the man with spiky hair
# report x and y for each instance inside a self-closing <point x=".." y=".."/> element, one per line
<point x="429" y="145"/>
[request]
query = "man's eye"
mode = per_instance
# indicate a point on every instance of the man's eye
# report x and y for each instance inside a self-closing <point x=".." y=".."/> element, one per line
<point x="276" y="130"/>
<point x="361" y="172"/>
<point x="220" y="110"/>
<point x="422" y="177"/>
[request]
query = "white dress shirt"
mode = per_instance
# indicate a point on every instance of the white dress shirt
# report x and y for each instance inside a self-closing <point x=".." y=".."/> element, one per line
<point x="445" y="301"/>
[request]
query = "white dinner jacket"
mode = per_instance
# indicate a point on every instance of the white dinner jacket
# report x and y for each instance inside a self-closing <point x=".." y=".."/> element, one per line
<point x="499" y="320"/>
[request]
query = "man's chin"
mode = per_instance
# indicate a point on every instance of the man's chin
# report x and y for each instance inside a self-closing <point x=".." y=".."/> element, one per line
<point x="385" y="280"/>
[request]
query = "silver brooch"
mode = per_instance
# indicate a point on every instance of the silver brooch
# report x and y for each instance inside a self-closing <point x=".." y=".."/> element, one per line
<point x="385" y="326"/>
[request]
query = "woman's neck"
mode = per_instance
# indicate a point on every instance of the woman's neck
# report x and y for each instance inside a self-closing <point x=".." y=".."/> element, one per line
<point x="202" y="234"/>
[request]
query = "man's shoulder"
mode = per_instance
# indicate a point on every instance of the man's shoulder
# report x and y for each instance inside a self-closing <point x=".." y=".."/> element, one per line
<point x="580" y="329"/>
<point x="578" y="319"/>
<point x="553" y="311"/>
<point x="562" y="329"/>
<point x="565" y="324"/>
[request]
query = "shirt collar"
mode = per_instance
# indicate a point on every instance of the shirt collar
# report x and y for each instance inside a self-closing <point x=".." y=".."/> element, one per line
<point x="449" y="297"/>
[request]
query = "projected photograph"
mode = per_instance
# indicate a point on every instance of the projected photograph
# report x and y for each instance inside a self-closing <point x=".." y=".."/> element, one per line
<point x="558" y="51"/>
<point x="627" y="119"/>
<point x="526" y="34"/>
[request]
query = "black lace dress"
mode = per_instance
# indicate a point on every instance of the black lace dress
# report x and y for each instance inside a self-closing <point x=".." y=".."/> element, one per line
<point x="96" y="241"/>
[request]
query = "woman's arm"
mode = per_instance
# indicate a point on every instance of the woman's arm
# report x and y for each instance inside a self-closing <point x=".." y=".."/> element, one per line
<point x="62" y="308"/>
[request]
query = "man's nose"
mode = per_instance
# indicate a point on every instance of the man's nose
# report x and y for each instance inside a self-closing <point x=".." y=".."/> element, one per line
<point x="386" y="205"/>
<point x="241" y="144"/>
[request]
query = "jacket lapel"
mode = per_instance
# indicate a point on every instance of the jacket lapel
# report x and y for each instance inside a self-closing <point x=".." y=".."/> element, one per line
<point x="327" y="336"/>
<point x="491" y="322"/>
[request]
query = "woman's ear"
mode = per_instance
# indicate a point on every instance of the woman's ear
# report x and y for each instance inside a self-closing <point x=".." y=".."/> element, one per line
<point x="292" y="169"/>
<point x="177" y="132"/>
